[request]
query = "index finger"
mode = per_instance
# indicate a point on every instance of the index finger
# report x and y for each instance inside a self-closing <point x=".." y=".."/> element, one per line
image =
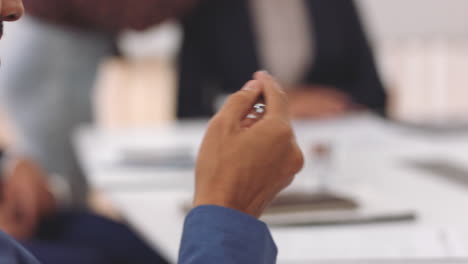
<point x="275" y="97"/>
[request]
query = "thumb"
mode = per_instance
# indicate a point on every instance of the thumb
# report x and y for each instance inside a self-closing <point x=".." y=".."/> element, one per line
<point x="240" y="103"/>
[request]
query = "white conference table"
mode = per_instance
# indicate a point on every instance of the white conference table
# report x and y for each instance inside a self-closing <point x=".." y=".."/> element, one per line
<point x="370" y="155"/>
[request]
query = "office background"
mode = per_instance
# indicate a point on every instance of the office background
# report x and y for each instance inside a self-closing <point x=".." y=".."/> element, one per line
<point x="421" y="48"/>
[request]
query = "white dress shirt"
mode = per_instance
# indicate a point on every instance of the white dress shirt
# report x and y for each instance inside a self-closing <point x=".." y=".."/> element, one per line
<point x="283" y="31"/>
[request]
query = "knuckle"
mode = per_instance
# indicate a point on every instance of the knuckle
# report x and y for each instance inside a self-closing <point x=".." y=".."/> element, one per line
<point x="290" y="180"/>
<point x="287" y="180"/>
<point x="298" y="160"/>
<point x="295" y="162"/>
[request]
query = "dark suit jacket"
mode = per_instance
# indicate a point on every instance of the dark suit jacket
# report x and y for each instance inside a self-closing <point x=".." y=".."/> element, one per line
<point x="13" y="253"/>
<point x="219" y="54"/>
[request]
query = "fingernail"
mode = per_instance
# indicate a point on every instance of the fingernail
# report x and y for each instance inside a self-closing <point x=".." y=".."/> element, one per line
<point x="264" y="71"/>
<point x="250" y="87"/>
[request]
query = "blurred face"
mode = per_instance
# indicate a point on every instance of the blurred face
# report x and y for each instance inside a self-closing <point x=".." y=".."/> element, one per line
<point x="10" y="10"/>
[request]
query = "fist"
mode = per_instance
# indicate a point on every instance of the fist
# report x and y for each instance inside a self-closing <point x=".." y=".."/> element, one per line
<point x="245" y="167"/>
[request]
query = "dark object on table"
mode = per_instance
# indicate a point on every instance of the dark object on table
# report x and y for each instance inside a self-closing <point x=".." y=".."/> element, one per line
<point x="444" y="169"/>
<point x="296" y="202"/>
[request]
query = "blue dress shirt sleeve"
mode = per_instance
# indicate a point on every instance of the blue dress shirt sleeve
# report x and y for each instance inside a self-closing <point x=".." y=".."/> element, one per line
<point x="12" y="253"/>
<point x="214" y="234"/>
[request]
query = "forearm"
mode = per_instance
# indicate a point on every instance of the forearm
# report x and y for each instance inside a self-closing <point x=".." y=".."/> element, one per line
<point x="108" y="15"/>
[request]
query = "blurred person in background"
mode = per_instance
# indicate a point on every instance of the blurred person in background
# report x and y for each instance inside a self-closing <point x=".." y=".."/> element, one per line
<point x="29" y="213"/>
<point x="46" y="85"/>
<point x="317" y="49"/>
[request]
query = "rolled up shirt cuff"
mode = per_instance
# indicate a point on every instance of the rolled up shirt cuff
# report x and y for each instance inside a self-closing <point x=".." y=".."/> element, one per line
<point x="217" y="234"/>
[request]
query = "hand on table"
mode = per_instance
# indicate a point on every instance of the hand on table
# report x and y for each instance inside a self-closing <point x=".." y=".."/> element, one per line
<point x="241" y="167"/>
<point x="25" y="199"/>
<point x="317" y="102"/>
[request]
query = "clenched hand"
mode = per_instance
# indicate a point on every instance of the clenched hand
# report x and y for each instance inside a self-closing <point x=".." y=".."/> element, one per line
<point x="241" y="167"/>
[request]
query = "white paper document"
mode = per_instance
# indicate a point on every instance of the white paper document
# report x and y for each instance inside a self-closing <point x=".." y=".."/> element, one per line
<point x="369" y="244"/>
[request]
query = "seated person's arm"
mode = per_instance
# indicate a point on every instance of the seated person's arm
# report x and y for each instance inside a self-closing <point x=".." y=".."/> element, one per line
<point x="108" y="15"/>
<point x="316" y="101"/>
<point x="12" y="253"/>
<point x="25" y="197"/>
<point x="357" y="82"/>
<point x="240" y="169"/>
